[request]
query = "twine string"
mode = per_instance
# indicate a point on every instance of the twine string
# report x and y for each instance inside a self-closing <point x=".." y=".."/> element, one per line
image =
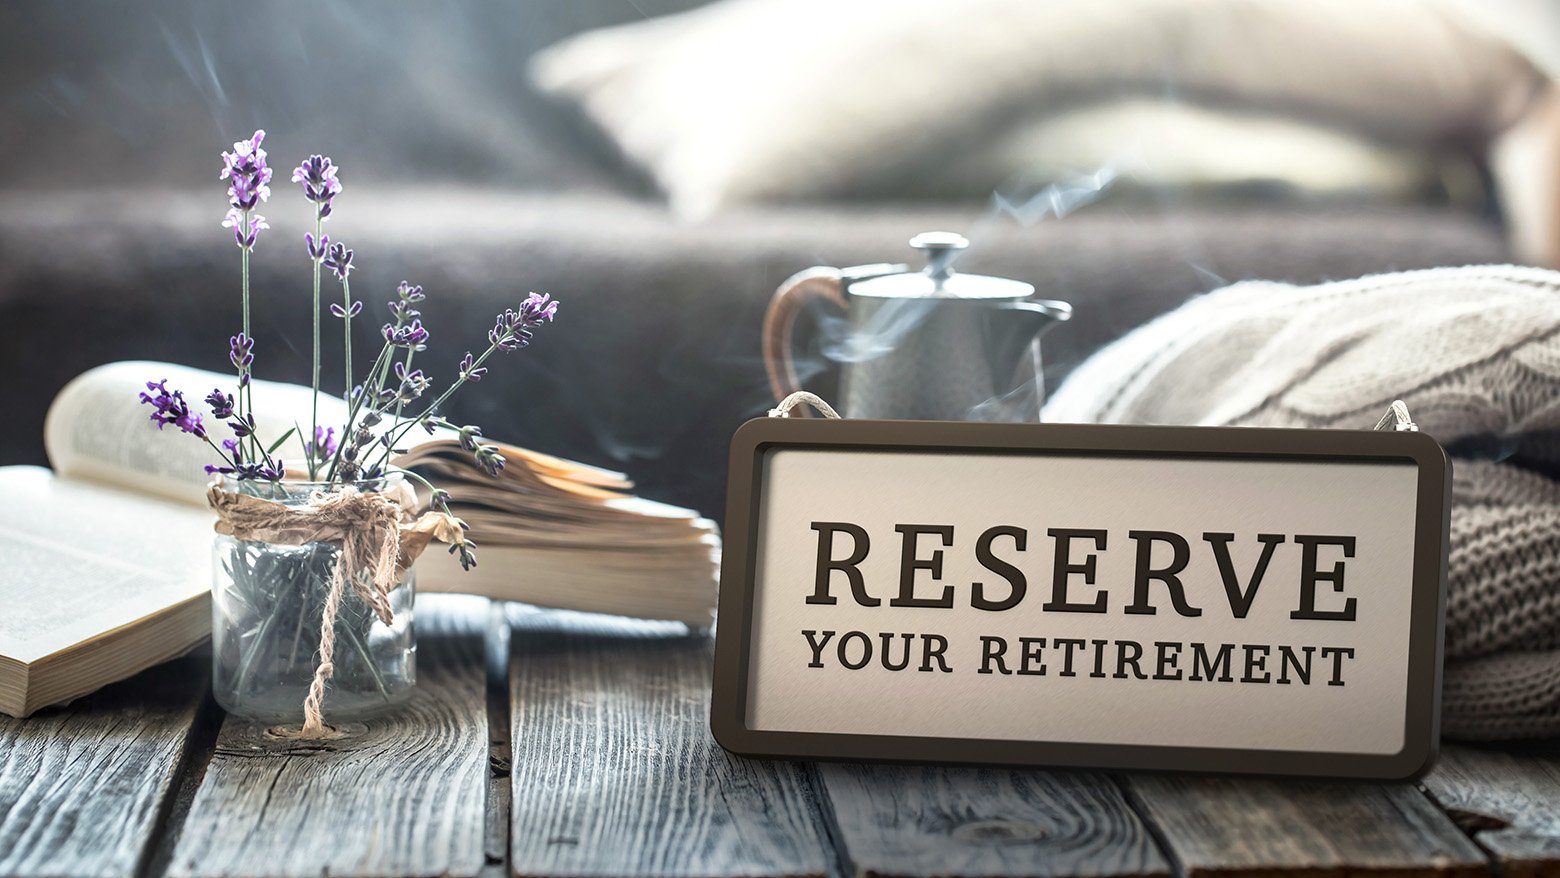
<point x="783" y="409"/>
<point x="378" y="538"/>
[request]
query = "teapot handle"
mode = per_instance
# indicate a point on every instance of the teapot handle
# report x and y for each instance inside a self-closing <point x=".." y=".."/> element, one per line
<point x="799" y="289"/>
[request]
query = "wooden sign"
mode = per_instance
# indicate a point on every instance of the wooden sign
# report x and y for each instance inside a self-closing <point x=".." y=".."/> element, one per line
<point x="1211" y="599"/>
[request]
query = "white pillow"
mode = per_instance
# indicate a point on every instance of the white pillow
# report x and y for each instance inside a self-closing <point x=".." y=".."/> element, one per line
<point x="754" y="99"/>
<point x="1161" y="144"/>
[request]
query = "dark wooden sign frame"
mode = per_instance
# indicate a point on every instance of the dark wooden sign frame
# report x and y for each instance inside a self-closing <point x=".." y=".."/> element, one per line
<point x="733" y="646"/>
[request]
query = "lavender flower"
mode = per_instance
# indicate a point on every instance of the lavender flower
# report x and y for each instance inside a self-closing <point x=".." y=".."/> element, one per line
<point x="465" y="548"/>
<point x="318" y="176"/>
<point x="406" y="295"/>
<point x="324" y="445"/>
<point x="249" y="179"/>
<point x="468" y="437"/>
<point x="268" y="470"/>
<point x="469" y="370"/>
<point x="231" y="447"/>
<point x="248" y="175"/>
<point x="245" y="225"/>
<point x="346" y="313"/>
<point x="339" y="260"/>
<point x="401" y="312"/>
<point x="490" y="459"/>
<point x="221" y="404"/>
<point x="411" y="336"/>
<point x="170" y="408"/>
<point x="512" y="329"/>
<point x="241" y="353"/>
<point x="316" y="248"/>
<point x="413" y="384"/>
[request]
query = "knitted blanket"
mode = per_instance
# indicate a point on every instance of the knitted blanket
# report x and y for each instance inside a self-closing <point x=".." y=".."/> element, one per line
<point x="1475" y="352"/>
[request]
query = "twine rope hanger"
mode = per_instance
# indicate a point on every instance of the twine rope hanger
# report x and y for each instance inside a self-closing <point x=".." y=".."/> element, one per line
<point x="1397" y="418"/>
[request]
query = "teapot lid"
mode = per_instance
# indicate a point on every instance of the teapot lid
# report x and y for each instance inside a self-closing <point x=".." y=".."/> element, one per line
<point x="938" y="279"/>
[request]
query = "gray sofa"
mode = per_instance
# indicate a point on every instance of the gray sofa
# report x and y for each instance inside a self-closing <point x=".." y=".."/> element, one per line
<point x="462" y="179"/>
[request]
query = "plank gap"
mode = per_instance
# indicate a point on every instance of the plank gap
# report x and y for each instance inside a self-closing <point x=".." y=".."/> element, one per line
<point x="930" y="821"/>
<point x="1223" y="825"/>
<point x="191" y="770"/>
<point x="837" y="857"/>
<point x="615" y="772"/>
<point x="1506" y="799"/>
<point x="1157" y="835"/>
<point x="500" y="755"/>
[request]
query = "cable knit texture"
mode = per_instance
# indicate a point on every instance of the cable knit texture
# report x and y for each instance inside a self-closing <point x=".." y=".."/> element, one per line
<point x="1475" y="352"/>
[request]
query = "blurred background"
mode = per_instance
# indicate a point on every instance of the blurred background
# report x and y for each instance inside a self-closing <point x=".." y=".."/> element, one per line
<point x="660" y="166"/>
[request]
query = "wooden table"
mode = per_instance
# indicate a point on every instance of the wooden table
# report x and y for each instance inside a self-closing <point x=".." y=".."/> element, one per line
<point x="543" y="743"/>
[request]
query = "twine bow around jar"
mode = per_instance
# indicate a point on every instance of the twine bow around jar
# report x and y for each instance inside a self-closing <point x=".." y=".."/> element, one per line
<point x="380" y="537"/>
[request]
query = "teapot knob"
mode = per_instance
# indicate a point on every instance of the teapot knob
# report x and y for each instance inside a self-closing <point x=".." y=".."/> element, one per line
<point x="940" y="249"/>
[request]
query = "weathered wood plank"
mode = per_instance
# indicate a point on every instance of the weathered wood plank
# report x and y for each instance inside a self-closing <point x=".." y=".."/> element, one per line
<point x="1267" y="827"/>
<point x="931" y="821"/>
<point x="398" y="796"/>
<point x="1508" y="798"/>
<point x="81" y="786"/>
<point x="615" y="772"/>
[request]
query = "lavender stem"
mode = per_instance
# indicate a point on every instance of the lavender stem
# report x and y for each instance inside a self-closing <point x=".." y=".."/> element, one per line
<point x="346" y="331"/>
<point x="314" y="415"/>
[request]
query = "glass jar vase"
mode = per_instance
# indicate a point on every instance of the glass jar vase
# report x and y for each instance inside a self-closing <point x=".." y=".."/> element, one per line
<point x="267" y="607"/>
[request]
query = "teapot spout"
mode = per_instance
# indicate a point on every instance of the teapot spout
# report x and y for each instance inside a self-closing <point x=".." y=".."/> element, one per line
<point x="1013" y="326"/>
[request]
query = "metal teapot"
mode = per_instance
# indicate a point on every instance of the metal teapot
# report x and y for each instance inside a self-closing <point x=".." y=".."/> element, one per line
<point x="923" y="345"/>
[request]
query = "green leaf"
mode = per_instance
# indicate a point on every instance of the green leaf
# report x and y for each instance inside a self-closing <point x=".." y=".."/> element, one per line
<point x="284" y="437"/>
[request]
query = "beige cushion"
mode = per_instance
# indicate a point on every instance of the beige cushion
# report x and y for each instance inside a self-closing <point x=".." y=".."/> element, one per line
<point x="752" y="99"/>
<point x="1160" y="143"/>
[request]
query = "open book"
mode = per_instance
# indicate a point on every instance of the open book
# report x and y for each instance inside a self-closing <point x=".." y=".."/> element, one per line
<point x="105" y="563"/>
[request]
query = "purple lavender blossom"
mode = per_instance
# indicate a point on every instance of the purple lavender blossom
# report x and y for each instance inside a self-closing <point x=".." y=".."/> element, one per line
<point x="413" y="384"/>
<point x="241" y="353"/>
<point x="324" y="445"/>
<point x="171" y="408"/>
<point x="406" y="295"/>
<point x="469" y="370"/>
<point x="318" y="176"/>
<point x="246" y="226"/>
<point x="316" y="248"/>
<point x="231" y="447"/>
<point x="465" y="549"/>
<point x="268" y="470"/>
<point x="490" y="459"/>
<point x="248" y="175"/>
<point x="512" y="329"/>
<point x="221" y="404"/>
<point x="412" y="336"/>
<point x="468" y="437"/>
<point x="403" y="312"/>
<point x="339" y="260"/>
<point x="344" y="313"/>
<point x="249" y="179"/>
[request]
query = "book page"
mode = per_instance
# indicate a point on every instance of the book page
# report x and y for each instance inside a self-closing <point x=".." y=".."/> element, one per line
<point x="98" y="430"/>
<point x="82" y="560"/>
